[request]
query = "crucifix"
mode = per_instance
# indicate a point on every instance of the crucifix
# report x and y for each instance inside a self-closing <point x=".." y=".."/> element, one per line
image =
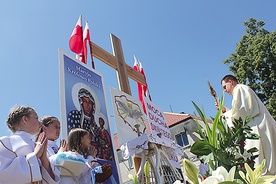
<point x="124" y="71"/>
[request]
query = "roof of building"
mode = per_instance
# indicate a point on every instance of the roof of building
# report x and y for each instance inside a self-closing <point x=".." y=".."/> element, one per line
<point x="175" y="118"/>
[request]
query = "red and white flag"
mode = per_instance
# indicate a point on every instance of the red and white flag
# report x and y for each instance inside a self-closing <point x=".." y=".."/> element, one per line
<point x="136" y="65"/>
<point x="76" y="40"/>
<point x="139" y="86"/>
<point x="86" y="37"/>
<point x="145" y="88"/>
<point x="142" y="90"/>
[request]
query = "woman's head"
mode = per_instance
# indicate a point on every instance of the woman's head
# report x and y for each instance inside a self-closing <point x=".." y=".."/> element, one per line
<point x="87" y="102"/>
<point x="23" y="118"/>
<point x="51" y="126"/>
<point x="79" y="140"/>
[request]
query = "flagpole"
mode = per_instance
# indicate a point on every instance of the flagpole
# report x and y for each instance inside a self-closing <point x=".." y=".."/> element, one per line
<point x="92" y="59"/>
<point x="149" y="94"/>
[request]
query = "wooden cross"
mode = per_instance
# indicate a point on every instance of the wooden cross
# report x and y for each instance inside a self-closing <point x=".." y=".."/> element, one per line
<point x="117" y="62"/>
<point x="124" y="71"/>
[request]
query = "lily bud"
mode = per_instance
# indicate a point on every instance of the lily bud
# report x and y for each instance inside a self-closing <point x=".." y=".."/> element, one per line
<point x="191" y="171"/>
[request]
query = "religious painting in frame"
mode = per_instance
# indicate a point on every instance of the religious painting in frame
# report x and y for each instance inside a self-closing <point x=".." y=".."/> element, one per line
<point x="128" y="113"/>
<point x="83" y="105"/>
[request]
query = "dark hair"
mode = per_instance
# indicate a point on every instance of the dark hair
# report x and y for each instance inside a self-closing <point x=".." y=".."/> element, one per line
<point x="15" y="116"/>
<point x="46" y="121"/>
<point x="74" y="140"/>
<point x="226" y="78"/>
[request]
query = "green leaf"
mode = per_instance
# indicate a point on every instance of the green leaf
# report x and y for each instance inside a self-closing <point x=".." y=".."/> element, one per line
<point x="201" y="148"/>
<point x="208" y="129"/>
<point x="133" y="178"/>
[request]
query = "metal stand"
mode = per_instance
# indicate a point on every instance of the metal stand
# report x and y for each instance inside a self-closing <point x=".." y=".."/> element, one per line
<point x="161" y="169"/>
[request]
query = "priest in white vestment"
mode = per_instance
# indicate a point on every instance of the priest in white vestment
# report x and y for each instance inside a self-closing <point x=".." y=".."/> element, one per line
<point x="245" y="103"/>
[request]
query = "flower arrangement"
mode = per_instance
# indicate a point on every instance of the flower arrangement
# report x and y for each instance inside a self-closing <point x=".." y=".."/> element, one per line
<point x="223" y="148"/>
<point x="221" y="145"/>
<point x="222" y="176"/>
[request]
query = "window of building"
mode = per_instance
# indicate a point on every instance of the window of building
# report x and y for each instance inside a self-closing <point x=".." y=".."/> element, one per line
<point x="182" y="139"/>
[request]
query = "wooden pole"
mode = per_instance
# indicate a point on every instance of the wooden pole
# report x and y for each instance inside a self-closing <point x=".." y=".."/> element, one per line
<point x="110" y="60"/>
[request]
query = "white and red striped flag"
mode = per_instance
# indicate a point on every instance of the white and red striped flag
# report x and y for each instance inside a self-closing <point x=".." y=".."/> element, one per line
<point x="142" y="90"/>
<point x="86" y="37"/>
<point x="145" y="88"/>
<point x="76" y="40"/>
<point x="139" y="86"/>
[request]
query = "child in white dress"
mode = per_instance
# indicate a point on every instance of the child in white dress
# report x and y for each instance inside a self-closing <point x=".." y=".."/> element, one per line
<point x="22" y="160"/>
<point x="51" y="127"/>
<point x="79" y="150"/>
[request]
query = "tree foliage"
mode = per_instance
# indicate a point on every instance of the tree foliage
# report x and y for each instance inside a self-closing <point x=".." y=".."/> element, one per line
<point x="254" y="62"/>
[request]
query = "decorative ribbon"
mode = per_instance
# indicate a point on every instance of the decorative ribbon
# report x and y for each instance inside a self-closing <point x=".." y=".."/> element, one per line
<point x="97" y="169"/>
<point x="113" y="181"/>
<point x="64" y="157"/>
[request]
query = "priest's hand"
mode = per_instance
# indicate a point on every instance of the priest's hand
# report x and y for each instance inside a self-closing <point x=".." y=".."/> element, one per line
<point x="217" y="107"/>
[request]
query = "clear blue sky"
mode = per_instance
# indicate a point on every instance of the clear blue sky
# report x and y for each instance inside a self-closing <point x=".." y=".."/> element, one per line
<point x="180" y="43"/>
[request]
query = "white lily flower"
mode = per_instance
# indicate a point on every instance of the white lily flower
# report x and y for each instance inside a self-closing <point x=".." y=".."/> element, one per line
<point x="231" y="174"/>
<point x="191" y="171"/>
<point x="256" y="177"/>
<point x="177" y="182"/>
<point x="210" y="180"/>
<point x="220" y="175"/>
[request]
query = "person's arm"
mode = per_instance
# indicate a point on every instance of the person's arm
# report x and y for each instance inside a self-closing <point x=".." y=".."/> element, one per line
<point x="45" y="162"/>
<point x="25" y="167"/>
<point x="41" y="153"/>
